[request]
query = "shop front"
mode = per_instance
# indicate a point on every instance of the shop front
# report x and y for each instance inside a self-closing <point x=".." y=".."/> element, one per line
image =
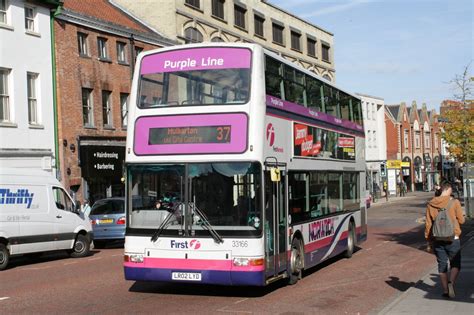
<point x="418" y="175"/>
<point x="406" y="174"/>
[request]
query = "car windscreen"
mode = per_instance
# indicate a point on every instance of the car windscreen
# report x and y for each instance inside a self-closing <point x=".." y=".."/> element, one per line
<point x="108" y="207"/>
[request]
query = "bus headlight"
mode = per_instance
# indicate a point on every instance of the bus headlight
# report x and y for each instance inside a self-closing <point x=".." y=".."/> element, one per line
<point x="134" y="258"/>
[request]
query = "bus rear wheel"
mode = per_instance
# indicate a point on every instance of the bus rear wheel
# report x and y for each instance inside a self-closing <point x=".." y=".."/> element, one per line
<point x="351" y="241"/>
<point x="296" y="261"/>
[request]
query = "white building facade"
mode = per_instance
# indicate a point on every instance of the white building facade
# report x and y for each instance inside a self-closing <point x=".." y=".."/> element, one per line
<point x="373" y="109"/>
<point x="26" y="86"/>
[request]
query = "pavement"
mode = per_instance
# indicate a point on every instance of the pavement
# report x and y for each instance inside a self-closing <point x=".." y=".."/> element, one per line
<point x="424" y="297"/>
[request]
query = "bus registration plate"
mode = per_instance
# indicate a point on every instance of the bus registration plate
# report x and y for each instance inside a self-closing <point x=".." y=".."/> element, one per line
<point x="186" y="276"/>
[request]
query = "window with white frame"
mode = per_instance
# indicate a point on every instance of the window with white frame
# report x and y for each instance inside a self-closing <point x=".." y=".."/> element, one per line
<point x="369" y="116"/>
<point x="427" y="140"/>
<point x="32" y="81"/>
<point x="4" y="95"/>
<point x="121" y="52"/>
<point x="106" y="109"/>
<point x="3" y="11"/>
<point x="374" y="138"/>
<point x="82" y="44"/>
<point x="30" y="19"/>
<point x="87" y="108"/>
<point x="417" y="139"/>
<point x="374" y="110"/>
<point x="124" y="108"/>
<point x="102" y="47"/>
<point x="405" y="139"/>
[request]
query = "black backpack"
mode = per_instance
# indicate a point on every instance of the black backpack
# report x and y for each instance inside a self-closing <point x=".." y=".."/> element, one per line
<point x="443" y="226"/>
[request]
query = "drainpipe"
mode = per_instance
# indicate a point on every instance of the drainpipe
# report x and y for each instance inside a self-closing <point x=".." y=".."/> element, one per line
<point x="56" y="12"/>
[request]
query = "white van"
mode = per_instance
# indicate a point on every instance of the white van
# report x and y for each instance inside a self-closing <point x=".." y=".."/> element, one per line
<point x="38" y="215"/>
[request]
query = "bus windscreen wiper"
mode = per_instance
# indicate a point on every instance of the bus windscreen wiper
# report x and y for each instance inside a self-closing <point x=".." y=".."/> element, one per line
<point x="173" y="210"/>
<point x="205" y="223"/>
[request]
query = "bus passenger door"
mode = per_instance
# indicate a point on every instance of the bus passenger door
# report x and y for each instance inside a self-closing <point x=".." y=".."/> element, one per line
<point x="275" y="223"/>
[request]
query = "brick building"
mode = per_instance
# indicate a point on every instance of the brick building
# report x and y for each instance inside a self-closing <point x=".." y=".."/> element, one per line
<point x="417" y="144"/>
<point x="96" y="46"/>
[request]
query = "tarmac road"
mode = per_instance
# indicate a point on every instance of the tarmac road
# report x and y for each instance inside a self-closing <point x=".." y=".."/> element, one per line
<point x="386" y="265"/>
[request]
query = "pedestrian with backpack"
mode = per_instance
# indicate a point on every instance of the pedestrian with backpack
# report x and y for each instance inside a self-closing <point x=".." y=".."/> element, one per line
<point x="444" y="216"/>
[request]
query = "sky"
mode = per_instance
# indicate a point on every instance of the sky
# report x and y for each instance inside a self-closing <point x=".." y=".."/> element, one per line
<point x="398" y="50"/>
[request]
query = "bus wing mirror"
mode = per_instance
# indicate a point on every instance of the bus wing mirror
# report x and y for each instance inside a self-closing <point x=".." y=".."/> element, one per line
<point x="275" y="174"/>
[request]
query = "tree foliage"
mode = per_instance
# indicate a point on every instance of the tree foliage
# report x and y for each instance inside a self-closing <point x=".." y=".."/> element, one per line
<point x="458" y="126"/>
<point x="458" y="132"/>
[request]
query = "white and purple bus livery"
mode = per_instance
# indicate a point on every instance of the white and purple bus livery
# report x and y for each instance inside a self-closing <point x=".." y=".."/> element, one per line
<point x="241" y="168"/>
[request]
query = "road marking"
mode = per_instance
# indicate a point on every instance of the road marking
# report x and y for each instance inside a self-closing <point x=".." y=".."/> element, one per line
<point x="36" y="268"/>
<point x="117" y="255"/>
<point x="70" y="263"/>
<point x="96" y="258"/>
<point x="369" y="248"/>
<point x="4" y="298"/>
<point x="241" y="301"/>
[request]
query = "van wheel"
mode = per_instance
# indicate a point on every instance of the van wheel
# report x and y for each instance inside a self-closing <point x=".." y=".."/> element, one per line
<point x="81" y="247"/>
<point x="351" y="240"/>
<point x="4" y="256"/>
<point x="296" y="261"/>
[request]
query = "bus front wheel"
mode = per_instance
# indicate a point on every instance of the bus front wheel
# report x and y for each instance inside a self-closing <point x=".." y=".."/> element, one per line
<point x="296" y="261"/>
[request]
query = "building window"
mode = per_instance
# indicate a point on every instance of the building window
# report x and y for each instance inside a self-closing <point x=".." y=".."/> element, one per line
<point x="137" y="51"/>
<point x="218" y="8"/>
<point x="82" y="44"/>
<point x="192" y="35"/>
<point x="311" y="45"/>
<point x="417" y="139"/>
<point x="102" y="47"/>
<point x="217" y="40"/>
<point x="427" y="140"/>
<point x="106" y="109"/>
<point x="124" y="108"/>
<point x="405" y="139"/>
<point x="3" y="11"/>
<point x="31" y="84"/>
<point x="374" y="138"/>
<point x="4" y="95"/>
<point x="325" y="52"/>
<point x="278" y="33"/>
<point x="121" y="52"/>
<point x="239" y="16"/>
<point x="295" y="41"/>
<point x="87" y="108"/>
<point x="193" y="3"/>
<point x="374" y="110"/>
<point x="258" y="23"/>
<point x="30" y="19"/>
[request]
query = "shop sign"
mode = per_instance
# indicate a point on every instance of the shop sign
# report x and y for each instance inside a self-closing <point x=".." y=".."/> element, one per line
<point x="394" y="164"/>
<point x="102" y="161"/>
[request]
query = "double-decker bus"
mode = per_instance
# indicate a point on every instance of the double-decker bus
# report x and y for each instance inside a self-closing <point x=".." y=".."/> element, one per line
<point x="241" y="167"/>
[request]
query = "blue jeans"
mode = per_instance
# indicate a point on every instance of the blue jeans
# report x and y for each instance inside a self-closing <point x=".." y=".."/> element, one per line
<point x="445" y="251"/>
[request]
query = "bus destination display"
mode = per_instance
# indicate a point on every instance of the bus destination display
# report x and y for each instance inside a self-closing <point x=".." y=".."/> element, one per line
<point x="189" y="135"/>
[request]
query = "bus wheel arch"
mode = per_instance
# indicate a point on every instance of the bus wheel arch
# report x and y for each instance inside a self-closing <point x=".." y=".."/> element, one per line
<point x="4" y="254"/>
<point x="351" y="239"/>
<point x="296" y="259"/>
